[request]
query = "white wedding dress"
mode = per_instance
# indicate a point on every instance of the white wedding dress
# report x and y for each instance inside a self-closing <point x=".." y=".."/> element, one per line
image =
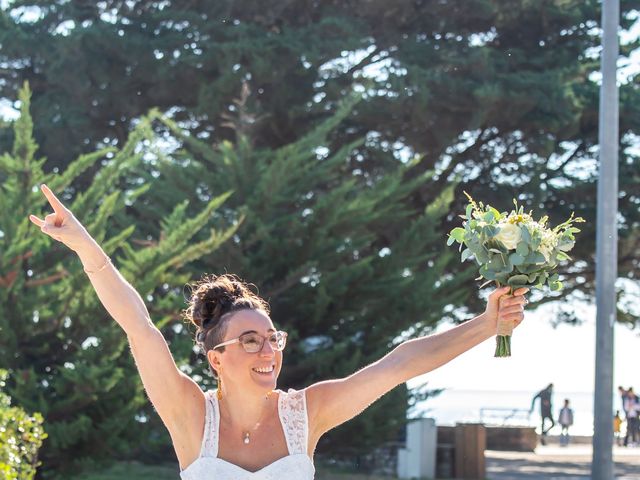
<point x="292" y="410"/>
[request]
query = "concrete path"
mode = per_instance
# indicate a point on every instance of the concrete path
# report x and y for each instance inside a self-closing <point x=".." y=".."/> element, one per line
<point x="558" y="463"/>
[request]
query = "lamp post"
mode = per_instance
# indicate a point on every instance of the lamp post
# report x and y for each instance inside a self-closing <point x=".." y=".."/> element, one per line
<point x="606" y="246"/>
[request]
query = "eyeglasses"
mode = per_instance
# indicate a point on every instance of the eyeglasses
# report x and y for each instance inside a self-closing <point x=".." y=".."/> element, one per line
<point x="253" y="342"/>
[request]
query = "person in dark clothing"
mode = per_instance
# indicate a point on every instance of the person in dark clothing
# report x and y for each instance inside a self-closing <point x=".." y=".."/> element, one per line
<point x="545" y="410"/>
<point x="632" y="412"/>
<point x="623" y="399"/>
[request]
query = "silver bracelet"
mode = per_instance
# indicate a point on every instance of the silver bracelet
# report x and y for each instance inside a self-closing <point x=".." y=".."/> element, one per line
<point x="104" y="265"/>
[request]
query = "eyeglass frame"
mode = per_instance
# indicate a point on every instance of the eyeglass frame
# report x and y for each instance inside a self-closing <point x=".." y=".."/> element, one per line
<point x="264" y="339"/>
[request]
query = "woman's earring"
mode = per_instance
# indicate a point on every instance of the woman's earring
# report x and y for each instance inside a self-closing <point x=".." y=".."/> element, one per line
<point x="219" y="393"/>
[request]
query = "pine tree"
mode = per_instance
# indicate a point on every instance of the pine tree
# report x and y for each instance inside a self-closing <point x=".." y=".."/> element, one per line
<point x="68" y="359"/>
<point x="502" y="93"/>
<point x="349" y="265"/>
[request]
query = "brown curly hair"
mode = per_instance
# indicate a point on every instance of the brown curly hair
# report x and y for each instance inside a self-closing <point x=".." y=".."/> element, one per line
<point x="213" y="298"/>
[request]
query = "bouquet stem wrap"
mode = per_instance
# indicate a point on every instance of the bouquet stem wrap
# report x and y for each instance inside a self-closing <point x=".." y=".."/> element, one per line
<point x="503" y="338"/>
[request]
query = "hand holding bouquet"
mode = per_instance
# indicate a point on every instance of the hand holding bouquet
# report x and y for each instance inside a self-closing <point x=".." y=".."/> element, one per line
<point x="512" y="249"/>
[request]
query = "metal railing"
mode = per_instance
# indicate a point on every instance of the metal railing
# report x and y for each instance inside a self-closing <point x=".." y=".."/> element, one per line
<point x="505" y="416"/>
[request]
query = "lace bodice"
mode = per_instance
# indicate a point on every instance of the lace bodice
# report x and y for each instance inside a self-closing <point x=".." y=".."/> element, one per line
<point x="292" y="410"/>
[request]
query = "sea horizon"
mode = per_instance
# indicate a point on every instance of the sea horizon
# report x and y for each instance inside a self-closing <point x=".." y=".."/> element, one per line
<point x="492" y="406"/>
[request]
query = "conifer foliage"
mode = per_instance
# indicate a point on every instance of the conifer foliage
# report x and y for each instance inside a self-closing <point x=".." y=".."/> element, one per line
<point x="67" y="358"/>
<point x="348" y="263"/>
<point x="503" y="93"/>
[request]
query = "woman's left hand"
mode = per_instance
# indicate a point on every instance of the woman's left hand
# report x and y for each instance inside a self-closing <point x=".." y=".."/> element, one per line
<point x="505" y="307"/>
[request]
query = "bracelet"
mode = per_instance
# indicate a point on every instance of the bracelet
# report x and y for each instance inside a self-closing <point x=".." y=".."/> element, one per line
<point x="104" y="265"/>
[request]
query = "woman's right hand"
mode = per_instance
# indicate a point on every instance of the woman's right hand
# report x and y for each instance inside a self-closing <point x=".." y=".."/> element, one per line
<point x="62" y="225"/>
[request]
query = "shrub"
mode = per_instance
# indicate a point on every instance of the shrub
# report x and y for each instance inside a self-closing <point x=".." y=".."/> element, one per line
<point x="21" y="436"/>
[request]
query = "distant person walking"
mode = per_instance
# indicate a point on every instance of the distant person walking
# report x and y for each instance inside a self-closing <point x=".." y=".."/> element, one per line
<point x="625" y="404"/>
<point x="617" y="423"/>
<point x="565" y="419"/>
<point x="632" y="410"/>
<point x="545" y="410"/>
<point x="623" y="397"/>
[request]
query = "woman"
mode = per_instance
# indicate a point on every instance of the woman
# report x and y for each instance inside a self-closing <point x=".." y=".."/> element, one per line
<point x="247" y="429"/>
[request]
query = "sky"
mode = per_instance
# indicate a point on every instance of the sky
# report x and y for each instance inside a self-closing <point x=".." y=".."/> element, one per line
<point x="541" y="354"/>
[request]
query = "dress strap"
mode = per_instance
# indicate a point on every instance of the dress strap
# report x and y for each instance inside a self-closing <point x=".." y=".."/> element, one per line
<point x="211" y="426"/>
<point x="292" y="408"/>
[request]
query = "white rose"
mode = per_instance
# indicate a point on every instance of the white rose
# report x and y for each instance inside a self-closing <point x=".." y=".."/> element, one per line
<point x="509" y="235"/>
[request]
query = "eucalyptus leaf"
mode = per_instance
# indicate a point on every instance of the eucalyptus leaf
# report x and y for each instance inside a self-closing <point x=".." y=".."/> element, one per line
<point x="490" y="231"/>
<point x="487" y="273"/>
<point x="522" y="249"/>
<point x="502" y="277"/>
<point x="475" y="247"/>
<point x="508" y="265"/>
<point x="488" y="217"/>
<point x="527" y="268"/>
<point x="468" y="211"/>
<point x="535" y="258"/>
<point x="501" y="246"/>
<point x="466" y="253"/>
<point x="518" y="280"/>
<point x="535" y="241"/>
<point x="516" y="258"/>
<point x="495" y="263"/>
<point x="555" y="286"/>
<point x="458" y="234"/>
<point x="566" y="246"/>
<point x="482" y="256"/>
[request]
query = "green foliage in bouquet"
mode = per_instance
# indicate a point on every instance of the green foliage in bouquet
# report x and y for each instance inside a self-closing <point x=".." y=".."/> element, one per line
<point x="513" y="249"/>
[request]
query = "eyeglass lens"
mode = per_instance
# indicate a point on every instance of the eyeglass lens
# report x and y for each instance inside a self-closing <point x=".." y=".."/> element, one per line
<point x="252" y="342"/>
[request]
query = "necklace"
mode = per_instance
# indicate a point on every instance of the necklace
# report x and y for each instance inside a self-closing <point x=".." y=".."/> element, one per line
<point x="247" y="434"/>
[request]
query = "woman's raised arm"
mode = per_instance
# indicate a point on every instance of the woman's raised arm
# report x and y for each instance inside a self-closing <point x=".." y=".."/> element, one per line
<point x="171" y="392"/>
<point x="119" y="298"/>
<point x="333" y="402"/>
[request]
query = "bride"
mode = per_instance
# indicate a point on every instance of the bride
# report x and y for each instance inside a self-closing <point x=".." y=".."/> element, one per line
<point x="247" y="429"/>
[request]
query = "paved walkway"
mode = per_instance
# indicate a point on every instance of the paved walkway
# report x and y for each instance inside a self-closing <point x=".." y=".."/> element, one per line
<point x="558" y="463"/>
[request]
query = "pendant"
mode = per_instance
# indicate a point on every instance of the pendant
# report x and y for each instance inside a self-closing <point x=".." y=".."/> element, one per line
<point x="246" y="438"/>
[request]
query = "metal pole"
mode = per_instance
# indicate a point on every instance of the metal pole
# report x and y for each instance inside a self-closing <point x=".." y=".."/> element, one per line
<point x="606" y="246"/>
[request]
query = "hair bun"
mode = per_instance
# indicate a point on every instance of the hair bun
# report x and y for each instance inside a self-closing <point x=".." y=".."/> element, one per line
<point x="215" y="296"/>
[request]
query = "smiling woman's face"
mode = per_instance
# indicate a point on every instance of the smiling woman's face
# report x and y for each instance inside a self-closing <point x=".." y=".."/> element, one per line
<point x="239" y="367"/>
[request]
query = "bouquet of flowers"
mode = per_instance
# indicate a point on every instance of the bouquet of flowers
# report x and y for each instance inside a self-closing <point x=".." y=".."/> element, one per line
<point x="513" y="249"/>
